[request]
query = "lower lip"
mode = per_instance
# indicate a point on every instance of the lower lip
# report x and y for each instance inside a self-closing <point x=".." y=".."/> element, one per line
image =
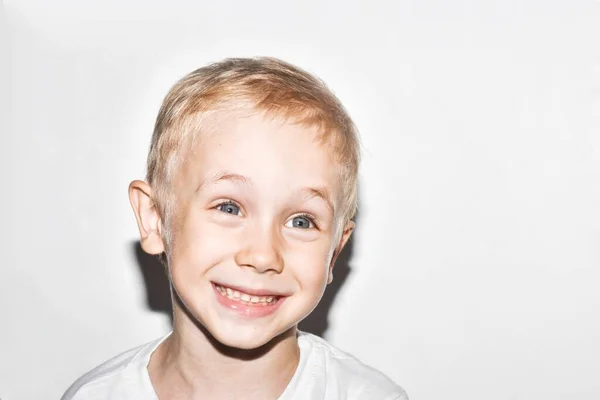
<point x="247" y="310"/>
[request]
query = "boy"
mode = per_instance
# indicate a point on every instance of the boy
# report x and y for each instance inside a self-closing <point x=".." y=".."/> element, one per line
<point x="249" y="199"/>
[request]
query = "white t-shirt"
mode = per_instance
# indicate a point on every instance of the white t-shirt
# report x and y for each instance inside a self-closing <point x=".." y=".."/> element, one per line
<point x="323" y="372"/>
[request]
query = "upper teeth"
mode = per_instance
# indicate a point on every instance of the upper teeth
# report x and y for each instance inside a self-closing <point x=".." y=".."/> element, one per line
<point x="244" y="297"/>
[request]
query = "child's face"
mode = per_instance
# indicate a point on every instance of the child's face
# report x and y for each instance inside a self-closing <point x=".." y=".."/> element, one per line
<point x="255" y="228"/>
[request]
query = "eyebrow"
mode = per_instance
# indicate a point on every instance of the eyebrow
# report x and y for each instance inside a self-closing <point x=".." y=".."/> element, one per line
<point x="323" y="193"/>
<point x="224" y="176"/>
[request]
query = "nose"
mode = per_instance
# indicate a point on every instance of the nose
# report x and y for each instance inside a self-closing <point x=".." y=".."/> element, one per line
<point x="262" y="250"/>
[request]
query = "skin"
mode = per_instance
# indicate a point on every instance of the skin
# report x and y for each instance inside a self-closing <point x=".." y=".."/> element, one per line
<point x="258" y="206"/>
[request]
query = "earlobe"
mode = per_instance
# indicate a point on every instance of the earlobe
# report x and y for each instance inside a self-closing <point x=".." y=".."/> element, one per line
<point x="348" y="229"/>
<point x="147" y="216"/>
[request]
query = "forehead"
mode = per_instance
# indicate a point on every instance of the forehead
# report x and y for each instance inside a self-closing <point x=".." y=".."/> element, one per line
<point x="275" y="154"/>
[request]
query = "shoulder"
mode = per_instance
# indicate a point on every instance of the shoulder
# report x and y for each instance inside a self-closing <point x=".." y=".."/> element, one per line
<point x="347" y="376"/>
<point x="105" y="380"/>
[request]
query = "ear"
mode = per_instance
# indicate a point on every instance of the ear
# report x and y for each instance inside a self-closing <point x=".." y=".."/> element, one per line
<point x="147" y="216"/>
<point x="348" y="229"/>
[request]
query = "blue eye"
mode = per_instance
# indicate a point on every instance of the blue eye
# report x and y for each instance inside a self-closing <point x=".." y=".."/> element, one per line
<point x="229" y="208"/>
<point x="302" y="222"/>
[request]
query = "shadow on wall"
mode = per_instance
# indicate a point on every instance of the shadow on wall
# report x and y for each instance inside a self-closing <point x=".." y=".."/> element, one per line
<point x="159" y="295"/>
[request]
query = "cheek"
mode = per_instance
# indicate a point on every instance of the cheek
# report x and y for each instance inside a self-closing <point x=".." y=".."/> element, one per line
<point x="310" y="265"/>
<point x="198" y="246"/>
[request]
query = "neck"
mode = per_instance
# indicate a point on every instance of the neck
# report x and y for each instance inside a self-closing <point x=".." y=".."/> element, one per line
<point x="191" y="364"/>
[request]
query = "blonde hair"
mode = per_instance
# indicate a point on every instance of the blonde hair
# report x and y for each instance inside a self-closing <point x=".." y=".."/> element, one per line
<point x="262" y="84"/>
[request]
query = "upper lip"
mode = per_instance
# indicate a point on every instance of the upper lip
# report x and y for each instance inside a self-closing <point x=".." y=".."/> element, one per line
<point x="252" y="292"/>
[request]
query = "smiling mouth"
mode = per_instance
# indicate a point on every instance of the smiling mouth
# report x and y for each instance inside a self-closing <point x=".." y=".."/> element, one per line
<point x="245" y="298"/>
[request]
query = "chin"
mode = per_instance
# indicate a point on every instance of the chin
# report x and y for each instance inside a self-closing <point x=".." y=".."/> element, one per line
<point x="242" y="343"/>
<point x="244" y="338"/>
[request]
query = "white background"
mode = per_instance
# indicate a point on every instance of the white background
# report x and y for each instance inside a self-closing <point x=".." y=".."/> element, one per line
<point x="476" y="265"/>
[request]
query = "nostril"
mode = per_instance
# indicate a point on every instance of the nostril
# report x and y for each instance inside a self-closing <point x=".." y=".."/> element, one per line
<point x="261" y="258"/>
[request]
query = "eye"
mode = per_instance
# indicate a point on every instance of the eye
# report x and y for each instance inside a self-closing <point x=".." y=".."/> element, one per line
<point x="229" y="208"/>
<point x="301" y="221"/>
